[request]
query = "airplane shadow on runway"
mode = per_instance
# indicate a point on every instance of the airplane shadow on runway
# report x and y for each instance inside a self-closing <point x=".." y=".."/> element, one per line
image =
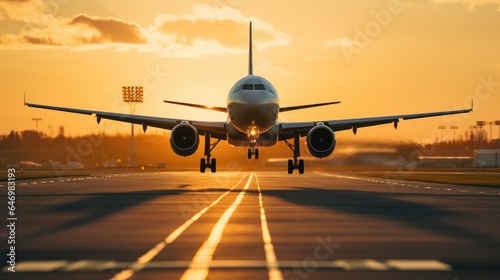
<point x="385" y="206"/>
<point x="95" y="206"/>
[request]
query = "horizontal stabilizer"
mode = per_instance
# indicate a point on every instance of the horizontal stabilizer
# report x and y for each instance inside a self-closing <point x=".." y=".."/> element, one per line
<point x="286" y="109"/>
<point x="218" y="109"/>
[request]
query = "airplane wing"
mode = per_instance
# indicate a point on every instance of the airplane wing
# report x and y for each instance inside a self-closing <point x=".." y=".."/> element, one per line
<point x="292" y="108"/>
<point x="287" y="129"/>
<point x="218" y="109"/>
<point x="224" y="109"/>
<point x="217" y="129"/>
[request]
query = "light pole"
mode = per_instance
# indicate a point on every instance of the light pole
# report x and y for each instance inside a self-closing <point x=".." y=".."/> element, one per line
<point x="442" y="128"/>
<point x="36" y="123"/>
<point x="480" y="124"/>
<point x="454" y="127"/>
<point x="497" y="123"/>
<point x="132" y="95"/>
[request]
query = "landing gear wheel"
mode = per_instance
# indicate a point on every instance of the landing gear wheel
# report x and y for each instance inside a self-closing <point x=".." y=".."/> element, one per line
<point x="249" y="153"/>
<point x="301" y="166"/>
<point x="256" y="153"/>
<point x="290" y="166"/>
<point x="295" y="163"/>
<point x="213" y="165"/>
<point x="202" y="165"/>
<point x="207" y="162"/>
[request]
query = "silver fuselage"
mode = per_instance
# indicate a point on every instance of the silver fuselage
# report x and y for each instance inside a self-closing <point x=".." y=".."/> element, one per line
<point x="253" y="106"/>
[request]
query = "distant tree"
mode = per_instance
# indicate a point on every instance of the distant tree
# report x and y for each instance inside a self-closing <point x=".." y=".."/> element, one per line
<point x="61" y="132"/>
<point x="32" y="139"/>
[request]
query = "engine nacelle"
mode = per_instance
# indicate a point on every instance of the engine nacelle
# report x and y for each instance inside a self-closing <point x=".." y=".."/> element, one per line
<point x="320" y="141"/>
<point x="184" y="139"/>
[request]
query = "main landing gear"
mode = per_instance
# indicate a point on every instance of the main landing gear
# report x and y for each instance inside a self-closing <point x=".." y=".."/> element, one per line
<point x="208" y="162"/>
<point x="295" y="164"/>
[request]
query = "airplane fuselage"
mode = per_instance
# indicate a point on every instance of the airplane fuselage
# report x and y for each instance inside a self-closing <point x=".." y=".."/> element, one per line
<point x="253" y="106"/>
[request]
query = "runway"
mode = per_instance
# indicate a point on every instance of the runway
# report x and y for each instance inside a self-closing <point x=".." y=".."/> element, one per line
<point x="251" y="225"/>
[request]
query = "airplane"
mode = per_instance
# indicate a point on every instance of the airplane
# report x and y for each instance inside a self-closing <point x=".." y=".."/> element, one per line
<point x="253" y="108"/>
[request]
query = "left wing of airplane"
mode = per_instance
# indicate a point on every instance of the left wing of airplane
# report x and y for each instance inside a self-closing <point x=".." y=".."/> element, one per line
<point x="217" y="129"/>
<point x="288" y="128"/>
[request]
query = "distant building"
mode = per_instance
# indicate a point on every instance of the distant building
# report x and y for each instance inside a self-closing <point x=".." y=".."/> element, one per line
<point x="487" y="158"/>
<point x="445" y="161"/>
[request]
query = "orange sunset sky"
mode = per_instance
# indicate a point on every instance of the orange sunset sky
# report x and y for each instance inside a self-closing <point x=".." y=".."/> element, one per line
<point x="378" y="57"/>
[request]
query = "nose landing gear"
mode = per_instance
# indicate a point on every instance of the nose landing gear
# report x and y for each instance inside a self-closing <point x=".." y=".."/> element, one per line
<point x="253" y="151"/>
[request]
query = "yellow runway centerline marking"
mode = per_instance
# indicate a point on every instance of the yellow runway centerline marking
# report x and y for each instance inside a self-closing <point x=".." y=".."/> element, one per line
<point x="143" y="260"/>
<point x="271" y="260"/>
<point x="199" y="266"/>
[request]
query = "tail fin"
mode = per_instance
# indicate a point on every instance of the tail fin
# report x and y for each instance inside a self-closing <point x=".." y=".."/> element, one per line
<point x="250" y="58"/>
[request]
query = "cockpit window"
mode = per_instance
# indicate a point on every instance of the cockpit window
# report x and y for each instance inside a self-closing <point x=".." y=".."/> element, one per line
<point x="259" y="87"/>
<point x="269" y="89"/>
<point x="253" y="87"/>
<point x="238" y="88"/>
<point x="247" y="87"/>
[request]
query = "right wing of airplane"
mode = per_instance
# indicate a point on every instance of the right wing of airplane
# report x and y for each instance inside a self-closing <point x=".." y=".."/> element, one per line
<point x="288" y="128"/>
<point x="217" y="129"/>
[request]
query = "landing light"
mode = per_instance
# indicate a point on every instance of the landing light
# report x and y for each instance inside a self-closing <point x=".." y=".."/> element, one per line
<point x="253" y="133"/>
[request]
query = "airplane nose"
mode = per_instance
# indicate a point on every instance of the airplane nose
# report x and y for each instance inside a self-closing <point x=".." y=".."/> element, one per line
<point x="253" y="97"/>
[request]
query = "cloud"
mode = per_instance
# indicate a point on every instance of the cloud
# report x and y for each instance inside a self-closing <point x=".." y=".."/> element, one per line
<point x="267" y="67"/>
<point x="472" y="4"/>
<point x="22" y="10"/>
<point x="205" y="30"/>
<point x="341" y="42"/>
<point x="209" y="30"/>
<point x="111" y="30"/>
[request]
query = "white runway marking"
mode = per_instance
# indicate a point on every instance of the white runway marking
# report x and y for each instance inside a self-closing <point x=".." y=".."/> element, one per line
<point x="45" y="266"/>
<point x="198" y="268"/>
<point x="143" y="260"/>
<point x="271" y="260"/>
<point x="389" y="182"/>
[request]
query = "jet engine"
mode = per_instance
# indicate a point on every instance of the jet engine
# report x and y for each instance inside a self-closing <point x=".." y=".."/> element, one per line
<point x="320" y="141"/>
<point x="184" y="139"/>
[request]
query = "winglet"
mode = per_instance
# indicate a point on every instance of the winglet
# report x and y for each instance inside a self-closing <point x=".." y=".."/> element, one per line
<point x="472" y="104"/>
<point x="250" y="58"/>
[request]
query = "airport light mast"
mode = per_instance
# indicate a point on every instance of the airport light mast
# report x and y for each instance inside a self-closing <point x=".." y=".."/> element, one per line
<point x="132" y="95"/>
<point x="480" y="124"/>
<point x="442" y="128"/>
<point x="497" y="123"/>
<point x="36" y="120"/>
<point x="454" y="127"/>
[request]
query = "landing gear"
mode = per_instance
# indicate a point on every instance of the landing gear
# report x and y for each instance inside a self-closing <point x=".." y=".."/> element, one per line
<point x="253" y="151"/>
<point x="208" y="162"/>
<point x="295" y="163"/>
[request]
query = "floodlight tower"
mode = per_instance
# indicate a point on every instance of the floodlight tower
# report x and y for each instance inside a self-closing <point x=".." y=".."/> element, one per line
<point x="132" y="95"/>
<point x="442" y="128"/>
<point x="480" y="124"/>
<point x="497" y="123"/>
<point x="36" y="120"/>
<point x="454" y="127"/>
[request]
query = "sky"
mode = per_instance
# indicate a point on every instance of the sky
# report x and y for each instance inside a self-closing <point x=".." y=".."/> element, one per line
<point x="378" y="57"/>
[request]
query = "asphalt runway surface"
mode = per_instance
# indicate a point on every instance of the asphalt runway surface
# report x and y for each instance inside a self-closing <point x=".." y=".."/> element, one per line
<point x="250" y="225"/>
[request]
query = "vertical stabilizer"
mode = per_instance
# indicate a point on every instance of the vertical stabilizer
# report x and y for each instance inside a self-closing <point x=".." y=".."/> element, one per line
<point x="250" y="58"/>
